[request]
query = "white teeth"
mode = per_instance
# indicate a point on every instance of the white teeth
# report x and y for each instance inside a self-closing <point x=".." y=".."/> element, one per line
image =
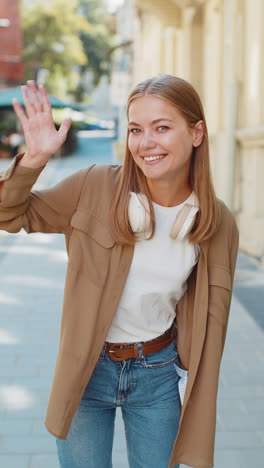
<point x="152" y="158"/>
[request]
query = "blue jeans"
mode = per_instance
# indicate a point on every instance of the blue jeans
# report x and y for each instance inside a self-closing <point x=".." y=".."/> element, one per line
<point x="146" y="389"/>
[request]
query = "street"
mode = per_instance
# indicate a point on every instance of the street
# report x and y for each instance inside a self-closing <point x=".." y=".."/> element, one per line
<point x="31" y="290"/>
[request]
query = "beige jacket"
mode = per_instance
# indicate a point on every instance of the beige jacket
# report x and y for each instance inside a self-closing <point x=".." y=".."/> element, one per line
<point x="97" y="269"/>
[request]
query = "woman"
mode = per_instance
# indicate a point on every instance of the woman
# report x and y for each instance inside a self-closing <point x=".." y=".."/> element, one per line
<point x="152" y="255"/>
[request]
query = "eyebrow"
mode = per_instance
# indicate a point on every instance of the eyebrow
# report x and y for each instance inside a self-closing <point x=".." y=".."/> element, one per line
<point x="153" y="121"/>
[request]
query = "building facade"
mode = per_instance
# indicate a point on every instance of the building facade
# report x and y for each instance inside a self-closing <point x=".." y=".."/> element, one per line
<point x="216" y="45"/>
<point x="11" y="66"/>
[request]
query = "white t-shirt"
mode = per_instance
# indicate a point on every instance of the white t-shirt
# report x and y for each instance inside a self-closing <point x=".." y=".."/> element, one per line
<point x="156" y="281"/>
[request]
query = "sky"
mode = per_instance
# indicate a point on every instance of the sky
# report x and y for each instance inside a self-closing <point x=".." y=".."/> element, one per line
<point x="113" y="4"/>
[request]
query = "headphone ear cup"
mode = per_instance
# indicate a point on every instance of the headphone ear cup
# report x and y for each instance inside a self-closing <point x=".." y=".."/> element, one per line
<point x="184" y="222"/>
<point x="138" y="212"/>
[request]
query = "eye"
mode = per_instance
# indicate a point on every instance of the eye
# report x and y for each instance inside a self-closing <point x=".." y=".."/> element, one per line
<point x="134" y="130"/>
<point x="162" y="127"/>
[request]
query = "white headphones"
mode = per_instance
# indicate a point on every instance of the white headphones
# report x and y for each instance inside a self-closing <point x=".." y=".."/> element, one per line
<point x="140" y="221"/>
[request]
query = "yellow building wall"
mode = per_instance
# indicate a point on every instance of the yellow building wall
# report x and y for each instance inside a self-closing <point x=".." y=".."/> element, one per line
<point x="155" y="38"/>
<point x="217" y="45"/>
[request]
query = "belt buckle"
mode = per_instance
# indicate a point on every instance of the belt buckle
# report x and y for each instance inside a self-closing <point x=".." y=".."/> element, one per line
<point x="113" y="348"/>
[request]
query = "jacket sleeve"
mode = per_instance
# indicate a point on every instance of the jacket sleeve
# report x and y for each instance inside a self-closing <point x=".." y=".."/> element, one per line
<point x="232" y="265"/>
<point x="195" y="447"/>
<point x="37" y="211"/>
<point x="221" y="285"/>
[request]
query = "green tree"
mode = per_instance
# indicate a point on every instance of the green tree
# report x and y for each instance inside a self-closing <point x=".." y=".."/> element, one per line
<point x="67" y="39"/>
<point x="97" y="42"/>
<point x="52" y="41"/>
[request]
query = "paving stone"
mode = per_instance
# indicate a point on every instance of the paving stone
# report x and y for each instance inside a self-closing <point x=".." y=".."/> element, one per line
<point x="34" y="412"/>
<point x="39" y="428"/>
<point x="241" y="391"/>
<point x="19" y="371"/>
<point x="242" y="458"/>
<point x="44" y="461"/>
<point x="120" y="460"/>
<point x="238" y="440"/>
<point x="119" y="445"/>
<point x="38" y="382"/>
<point x="253" y="405"/>
<point x="25" y="350"/>
<point x="26" y="445"/>
<point x="27" y="361"/>
<point x="241" y="378"/>
<point x="228" y="404"/>
<point x="14" y="461"/>
<point x="235" y="420"/>
<point x="261" y="436"/>
<point x="15" y="427"/>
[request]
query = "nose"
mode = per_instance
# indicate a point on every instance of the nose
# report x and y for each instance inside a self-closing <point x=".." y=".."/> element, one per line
<point x="148" y="140"/>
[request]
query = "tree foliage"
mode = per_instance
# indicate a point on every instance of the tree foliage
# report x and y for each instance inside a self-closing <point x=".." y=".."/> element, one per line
<point x="66" y="38"/>
<point x="96" y="42"/>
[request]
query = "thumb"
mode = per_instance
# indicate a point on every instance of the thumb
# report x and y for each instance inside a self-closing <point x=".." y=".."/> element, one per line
<point x="64" y="128"/>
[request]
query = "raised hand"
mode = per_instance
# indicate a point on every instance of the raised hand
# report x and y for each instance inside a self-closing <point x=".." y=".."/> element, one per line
<point x="41" y="137"/>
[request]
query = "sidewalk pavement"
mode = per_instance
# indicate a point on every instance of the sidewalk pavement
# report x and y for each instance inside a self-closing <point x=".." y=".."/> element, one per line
<point x="31" y="288"/>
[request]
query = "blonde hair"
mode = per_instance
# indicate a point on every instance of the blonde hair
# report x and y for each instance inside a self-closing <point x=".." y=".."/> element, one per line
<point x="184" y="97"/>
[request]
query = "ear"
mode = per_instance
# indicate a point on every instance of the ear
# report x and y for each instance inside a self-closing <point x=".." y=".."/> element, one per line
<point x="198" y="133"/>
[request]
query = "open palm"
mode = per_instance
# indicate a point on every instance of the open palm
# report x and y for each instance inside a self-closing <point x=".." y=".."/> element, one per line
<point x="41" y="137"/>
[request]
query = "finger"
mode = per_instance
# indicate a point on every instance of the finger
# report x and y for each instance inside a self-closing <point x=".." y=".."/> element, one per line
<point x="19" y="112"/>
<point x="63" y="130"/>
<point x="27" y="102"/>
<point x="46" y="101"/>
<point x="34" y="90"/>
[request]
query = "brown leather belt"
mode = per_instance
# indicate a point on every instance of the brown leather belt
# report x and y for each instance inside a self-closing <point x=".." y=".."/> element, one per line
<point x="131" y="350"/>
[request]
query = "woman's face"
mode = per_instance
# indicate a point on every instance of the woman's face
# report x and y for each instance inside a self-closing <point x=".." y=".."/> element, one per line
<point x="160" y="140"/>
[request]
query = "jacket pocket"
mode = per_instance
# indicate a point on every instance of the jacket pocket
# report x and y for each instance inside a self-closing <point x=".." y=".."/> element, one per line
<point x="220" y="286"/>
<point x="93" y="226"/>
<point x="90" y="246"/>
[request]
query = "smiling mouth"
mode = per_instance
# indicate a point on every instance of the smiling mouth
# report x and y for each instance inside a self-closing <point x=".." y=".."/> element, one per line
<point x="154" y="157"/>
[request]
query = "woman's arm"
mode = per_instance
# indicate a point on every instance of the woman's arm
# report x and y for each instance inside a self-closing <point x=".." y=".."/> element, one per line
<point x="41" y="137"/>
<point x="46" y="210"/>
